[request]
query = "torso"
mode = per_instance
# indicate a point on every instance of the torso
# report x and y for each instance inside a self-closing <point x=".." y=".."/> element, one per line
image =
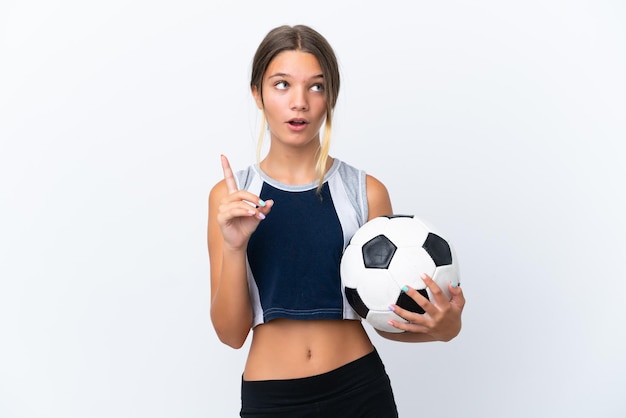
<point x="289" y="349"/>
<point x="305" y="328"/>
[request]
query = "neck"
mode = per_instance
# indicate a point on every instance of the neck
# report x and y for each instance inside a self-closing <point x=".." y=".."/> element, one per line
<point x="292" y="167"/>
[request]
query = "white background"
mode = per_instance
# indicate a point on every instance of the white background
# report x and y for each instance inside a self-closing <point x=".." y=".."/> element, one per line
<point x="502" y="123"/>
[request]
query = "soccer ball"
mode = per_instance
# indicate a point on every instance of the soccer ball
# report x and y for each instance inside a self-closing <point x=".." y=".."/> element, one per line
<point x="387" y="253"/>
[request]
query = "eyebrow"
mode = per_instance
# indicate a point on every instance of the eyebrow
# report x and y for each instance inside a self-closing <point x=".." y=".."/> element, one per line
<point x="285" y="75"/>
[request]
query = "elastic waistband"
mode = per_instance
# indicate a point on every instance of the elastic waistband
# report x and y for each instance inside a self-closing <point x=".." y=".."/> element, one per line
<point x="336" y="382"/>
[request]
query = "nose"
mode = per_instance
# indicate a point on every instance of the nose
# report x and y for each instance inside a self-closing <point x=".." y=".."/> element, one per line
<point x="299" y="99"/>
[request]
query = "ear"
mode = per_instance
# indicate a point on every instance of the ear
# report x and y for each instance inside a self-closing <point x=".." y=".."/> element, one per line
<point x="257" y="97"/>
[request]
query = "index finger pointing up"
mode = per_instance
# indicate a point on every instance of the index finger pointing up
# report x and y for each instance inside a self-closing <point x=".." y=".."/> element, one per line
<point x="231" y="185"/>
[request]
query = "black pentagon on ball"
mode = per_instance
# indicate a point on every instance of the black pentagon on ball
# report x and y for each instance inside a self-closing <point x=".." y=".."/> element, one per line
<point x="378" y="252"/>
<point x="438" y="249"/>
<point x="406" y="302"/>
<point x="398" y="215"/>
<point x="353" y="298"/>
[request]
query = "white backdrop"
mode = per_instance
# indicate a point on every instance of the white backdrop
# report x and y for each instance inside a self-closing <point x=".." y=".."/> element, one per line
<point x="499" y="122"/>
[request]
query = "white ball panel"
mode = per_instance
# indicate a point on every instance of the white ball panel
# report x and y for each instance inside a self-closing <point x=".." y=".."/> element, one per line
<point x="444" y="275"/>
<point x="406" y="232"/>
<point x="455" y="261"/>
<point x="351" y="266"/>
<point x="408" y="264"/>
<point x="378" y="319"/>
<point x="376" y="289"/>
<point x="368" y="231"/>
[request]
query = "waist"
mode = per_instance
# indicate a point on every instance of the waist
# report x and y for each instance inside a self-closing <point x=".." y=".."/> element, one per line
<point x="356" y="375"/>
<point x="290" y="349"/>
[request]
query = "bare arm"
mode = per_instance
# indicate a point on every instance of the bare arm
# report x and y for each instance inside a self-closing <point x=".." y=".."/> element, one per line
<point x="231" y="222"/>
<point x="378" y="201"/>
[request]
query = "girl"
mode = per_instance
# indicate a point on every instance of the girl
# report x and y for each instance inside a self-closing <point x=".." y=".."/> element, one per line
<point x="276" y="232"/>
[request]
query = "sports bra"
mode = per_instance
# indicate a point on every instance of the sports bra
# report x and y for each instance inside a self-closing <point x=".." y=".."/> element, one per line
<point x="294" y="254"/>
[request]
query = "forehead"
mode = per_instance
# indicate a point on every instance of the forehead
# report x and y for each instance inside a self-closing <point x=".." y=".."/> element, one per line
<point x="296" y="64"/>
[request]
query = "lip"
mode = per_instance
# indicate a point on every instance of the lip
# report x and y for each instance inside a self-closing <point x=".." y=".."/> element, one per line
<point x="297" y="124"/>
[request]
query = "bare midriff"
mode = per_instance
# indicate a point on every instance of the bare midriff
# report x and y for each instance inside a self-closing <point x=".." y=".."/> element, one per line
<point x="290" y="349"/>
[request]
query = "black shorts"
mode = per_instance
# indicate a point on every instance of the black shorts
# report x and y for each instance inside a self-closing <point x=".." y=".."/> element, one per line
<point x="359" y="389"/>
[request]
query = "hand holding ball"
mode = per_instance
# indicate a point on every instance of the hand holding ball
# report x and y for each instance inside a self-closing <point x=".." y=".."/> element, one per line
<point x="388" y="253"/>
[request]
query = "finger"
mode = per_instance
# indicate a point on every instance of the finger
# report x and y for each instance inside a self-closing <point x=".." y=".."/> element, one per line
<point x="245" y="196"/>
<point x="408" y="326"/>
<point x="414" y="322"/>
<point x="457" y="296"/>
<point x="234" y="212"/>
<point x="409" y="321"/>
<point x="260" y="212"/>
<point x="231" y="184"/>
<point x="267" y="207"/>
<point x="439" y="297"/>
<point x="242" y="208"/>
<point x="429" y="308"/>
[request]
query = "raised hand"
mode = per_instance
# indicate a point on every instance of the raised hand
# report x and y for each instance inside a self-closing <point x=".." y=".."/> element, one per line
<point x="239" y="211"/>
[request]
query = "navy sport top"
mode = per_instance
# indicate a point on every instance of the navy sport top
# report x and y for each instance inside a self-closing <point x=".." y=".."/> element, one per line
<point x="293" y="256"/>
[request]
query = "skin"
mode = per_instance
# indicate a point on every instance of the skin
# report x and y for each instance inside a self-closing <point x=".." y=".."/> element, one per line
<point x="294" y="104"/>
<point x="293" y="90"/>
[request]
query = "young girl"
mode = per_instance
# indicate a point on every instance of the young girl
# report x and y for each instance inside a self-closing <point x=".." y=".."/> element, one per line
<point x="276" y="232"/>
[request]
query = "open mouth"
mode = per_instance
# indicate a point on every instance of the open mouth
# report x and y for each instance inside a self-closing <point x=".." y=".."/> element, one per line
<point x="297" y="122"/>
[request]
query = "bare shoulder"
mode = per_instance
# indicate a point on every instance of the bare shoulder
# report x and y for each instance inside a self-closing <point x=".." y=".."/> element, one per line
<point x="218" y="191"/>
<point x="378" y="200"/>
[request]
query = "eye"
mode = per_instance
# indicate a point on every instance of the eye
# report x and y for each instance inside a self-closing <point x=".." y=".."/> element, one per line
<point x="281" y="85"/>
<point x="319" y="87"/>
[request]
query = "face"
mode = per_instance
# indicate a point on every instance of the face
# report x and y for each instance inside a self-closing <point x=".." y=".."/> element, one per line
<point x="293" y="98"/>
